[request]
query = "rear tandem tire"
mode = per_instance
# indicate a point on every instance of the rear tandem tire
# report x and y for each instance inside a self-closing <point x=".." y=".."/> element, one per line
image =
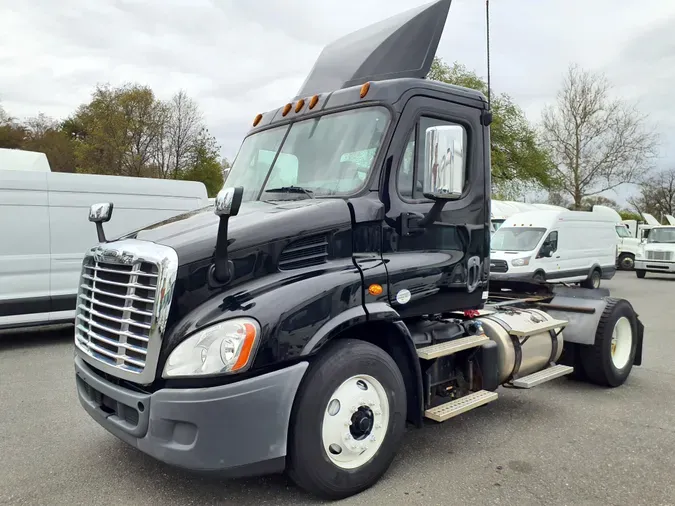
<point x="320" y="425"/>
<point x="609" y="361"/>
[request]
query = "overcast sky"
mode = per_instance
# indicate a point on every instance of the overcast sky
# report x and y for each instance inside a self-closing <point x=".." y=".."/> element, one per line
<point x="241" y="57"/>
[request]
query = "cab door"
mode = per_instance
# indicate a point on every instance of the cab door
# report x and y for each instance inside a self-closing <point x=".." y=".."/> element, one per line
<point x="440" y="267"/>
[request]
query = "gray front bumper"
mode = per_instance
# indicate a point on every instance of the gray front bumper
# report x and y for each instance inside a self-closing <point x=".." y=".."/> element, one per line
<point x="655" y="266"/>
<point x="239" y="429"/>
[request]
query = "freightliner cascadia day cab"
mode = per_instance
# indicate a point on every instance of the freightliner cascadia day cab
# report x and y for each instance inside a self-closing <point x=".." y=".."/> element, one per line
<point x="301" y="327"/>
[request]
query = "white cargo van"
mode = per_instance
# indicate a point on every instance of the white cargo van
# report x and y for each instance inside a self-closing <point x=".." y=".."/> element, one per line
<point x="555" y="246"/>
<point x="44" y="231"/>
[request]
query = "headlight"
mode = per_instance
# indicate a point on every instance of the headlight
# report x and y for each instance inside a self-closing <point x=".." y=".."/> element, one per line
<point x="519" y="262"/>
<point x="225" y="347"/>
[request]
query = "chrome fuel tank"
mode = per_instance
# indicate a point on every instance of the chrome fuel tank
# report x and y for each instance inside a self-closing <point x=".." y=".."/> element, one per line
<point x="536" y="350"/>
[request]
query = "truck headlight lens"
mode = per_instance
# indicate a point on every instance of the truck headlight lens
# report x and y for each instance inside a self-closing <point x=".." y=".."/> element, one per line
<point x="519" y="262"/>
<point x="225" y="347"/>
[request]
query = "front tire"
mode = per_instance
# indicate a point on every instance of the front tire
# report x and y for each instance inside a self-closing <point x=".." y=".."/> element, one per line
<point x="348" y="420"/>
<point x="609" y="361"/>
<point x="626" y="262"/>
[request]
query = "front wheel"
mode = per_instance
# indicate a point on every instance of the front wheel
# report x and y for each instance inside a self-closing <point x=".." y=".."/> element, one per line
<point x="626" y="261"/>
<point x="348" y="420"/>
<point x="609" y="361"/>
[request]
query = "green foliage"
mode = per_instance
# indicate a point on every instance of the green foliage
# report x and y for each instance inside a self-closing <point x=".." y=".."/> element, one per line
<point x="519" y="161"/>
<point x="629" y="215"/>
<point x="206" y="166"/>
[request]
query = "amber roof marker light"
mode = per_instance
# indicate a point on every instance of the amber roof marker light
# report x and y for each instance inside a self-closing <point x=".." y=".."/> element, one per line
<point x="299" y="105"/>
<point x="364" y="89"/>
<point x="287" y="109"/>
<point x="257" y="119"/>
<point x="314" y="100"/>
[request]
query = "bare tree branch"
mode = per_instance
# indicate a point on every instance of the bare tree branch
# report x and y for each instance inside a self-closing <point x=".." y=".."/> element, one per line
<point x="597" y="142"/>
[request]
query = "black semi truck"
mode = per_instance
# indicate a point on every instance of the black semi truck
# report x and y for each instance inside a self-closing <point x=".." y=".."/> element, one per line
<point x="337" y="291"/>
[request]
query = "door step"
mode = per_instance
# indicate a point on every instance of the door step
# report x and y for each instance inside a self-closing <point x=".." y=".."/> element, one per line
<point x="537" y="378"/>
<point x="462" y="405"/>
<point x="531" y="329"/>
<point x="450" y="347"/>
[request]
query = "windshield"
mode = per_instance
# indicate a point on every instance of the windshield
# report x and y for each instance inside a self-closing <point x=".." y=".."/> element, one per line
<point x="662" y="235"/>
<point x="516" y="238"/>
<point x="327" y="155"/>
<point x="622" y="231"/>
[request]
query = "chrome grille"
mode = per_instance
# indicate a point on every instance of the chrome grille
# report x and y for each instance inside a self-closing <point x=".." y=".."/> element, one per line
<point x="122" y="307"/>
<point x="659" y="255"/>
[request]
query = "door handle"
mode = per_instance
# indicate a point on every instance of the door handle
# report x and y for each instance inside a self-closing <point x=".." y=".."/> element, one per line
<point x="410" y="224"/>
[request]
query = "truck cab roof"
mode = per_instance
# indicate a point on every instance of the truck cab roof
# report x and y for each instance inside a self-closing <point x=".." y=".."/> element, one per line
<point x="378" y="92"/>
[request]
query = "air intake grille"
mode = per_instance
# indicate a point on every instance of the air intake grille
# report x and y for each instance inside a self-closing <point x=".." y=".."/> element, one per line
<point x="498" y="266"/>
<point x="659" y="255"/>
<point x="304" y="252"/>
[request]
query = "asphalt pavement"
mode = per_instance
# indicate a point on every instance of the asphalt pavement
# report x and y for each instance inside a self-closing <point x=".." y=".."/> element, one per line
<point x="562" y="443"/>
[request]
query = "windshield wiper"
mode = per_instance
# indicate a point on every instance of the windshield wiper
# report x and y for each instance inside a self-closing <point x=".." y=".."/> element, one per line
<point x="291" y="189"/>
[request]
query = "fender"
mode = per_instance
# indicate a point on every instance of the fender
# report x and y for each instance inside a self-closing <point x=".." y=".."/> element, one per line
<point x="392" y="335"/>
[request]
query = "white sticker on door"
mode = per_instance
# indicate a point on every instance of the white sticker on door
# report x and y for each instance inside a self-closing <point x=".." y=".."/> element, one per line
<point x="403" y="296"/>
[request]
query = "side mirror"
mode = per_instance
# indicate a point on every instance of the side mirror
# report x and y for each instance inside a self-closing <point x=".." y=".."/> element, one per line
<point x="444" y="162"/>
<point x="99" y="214"/>
<point x="228" y="202"/>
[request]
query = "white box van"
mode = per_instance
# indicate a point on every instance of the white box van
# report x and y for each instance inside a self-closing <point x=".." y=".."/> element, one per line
<point x="44" y="230"/>
<point x="555" y="246"/>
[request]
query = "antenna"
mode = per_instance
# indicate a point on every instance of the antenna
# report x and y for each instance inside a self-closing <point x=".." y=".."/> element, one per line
<point x="487" y="22"/>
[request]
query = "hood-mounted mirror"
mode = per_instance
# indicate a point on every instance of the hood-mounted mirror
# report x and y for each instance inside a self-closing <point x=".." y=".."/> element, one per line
<point x="228" y="202"/>
<point x="100" y="213"/>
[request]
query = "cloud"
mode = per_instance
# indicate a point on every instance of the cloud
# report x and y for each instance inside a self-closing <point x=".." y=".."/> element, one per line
<point x="239" y="58"/>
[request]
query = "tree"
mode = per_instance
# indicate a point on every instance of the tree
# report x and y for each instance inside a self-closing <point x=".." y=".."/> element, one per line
<point x="204" y="164"/>
<point x="180" y="128"/>
<point x="596" y="200"/>
<point x="45" y="135"/>
<point x="519" y="161"/>
<point x="11" y="133"/>
<point x="657" y="194"/>
<point x="598" y="143"/>
<point x="117" y="131"/>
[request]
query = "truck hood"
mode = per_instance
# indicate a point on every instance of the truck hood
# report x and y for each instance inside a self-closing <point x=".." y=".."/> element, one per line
<point x="193" y="235"/>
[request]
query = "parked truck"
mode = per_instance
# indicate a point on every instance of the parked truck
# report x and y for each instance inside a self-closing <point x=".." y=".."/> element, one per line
<point x="302" y="327"/>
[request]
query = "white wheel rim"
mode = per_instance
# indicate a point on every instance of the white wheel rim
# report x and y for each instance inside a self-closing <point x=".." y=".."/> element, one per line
<point x="355" y="422"/>
<point x="622" y="342"/>
<point x="596" y="280"/>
